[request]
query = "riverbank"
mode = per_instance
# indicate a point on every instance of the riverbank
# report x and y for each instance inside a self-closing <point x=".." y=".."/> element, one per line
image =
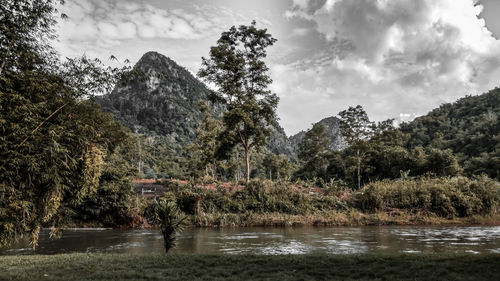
<point x="330" y="218"/>
<point x="238" y="267"/>
<point x="335" y="218"/>
<point x="327" y="218"/>
<point x="422" y="201"/>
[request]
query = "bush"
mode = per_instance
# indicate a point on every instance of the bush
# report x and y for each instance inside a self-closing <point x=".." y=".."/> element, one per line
<point x="259" y="197"/>
<point x="166" y="215"/>
<point x="457" y="196"/>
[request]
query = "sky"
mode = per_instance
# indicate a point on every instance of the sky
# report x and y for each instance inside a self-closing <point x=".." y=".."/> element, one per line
<point x="396" y="58"/>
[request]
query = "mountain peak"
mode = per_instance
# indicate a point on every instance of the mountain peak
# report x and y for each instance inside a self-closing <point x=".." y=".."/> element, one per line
<point x="163" y="102"/>
<point x="153" y="56"/>
<point x="160" y="63"/>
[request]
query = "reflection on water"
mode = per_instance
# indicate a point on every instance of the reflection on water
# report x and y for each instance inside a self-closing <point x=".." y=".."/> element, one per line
<point x="272" y="241"/>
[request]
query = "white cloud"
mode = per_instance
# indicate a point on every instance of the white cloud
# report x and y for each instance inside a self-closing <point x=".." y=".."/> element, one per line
<point x="122" y="19"/>
<point x="98" y="27"/>
<point x="391" y="56"/>
<point x="300" y="31"/>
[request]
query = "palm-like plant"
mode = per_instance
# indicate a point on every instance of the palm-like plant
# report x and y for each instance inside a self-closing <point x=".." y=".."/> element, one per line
<point x="169" y="218"/>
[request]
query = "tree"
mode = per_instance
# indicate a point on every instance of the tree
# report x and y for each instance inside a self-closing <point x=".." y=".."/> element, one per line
<point x="53" y="140"/>
<point x="276" y="166"/>
<point x="237" y="69"/>
<point x="314" y="151"/>
<point x="356" y="128"/>
<point x="112" y="204"/>
<point x="204" y="147"/>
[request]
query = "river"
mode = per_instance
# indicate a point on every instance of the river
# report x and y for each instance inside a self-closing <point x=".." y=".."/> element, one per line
<point x="272" y="240"/>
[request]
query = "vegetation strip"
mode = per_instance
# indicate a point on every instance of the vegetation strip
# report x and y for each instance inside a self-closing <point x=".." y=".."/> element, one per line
<point x="238" y="267"/>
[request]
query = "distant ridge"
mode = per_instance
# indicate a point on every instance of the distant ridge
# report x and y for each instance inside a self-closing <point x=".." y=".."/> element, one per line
<point x="470" y="127"/>
<point x="332" y="128"/>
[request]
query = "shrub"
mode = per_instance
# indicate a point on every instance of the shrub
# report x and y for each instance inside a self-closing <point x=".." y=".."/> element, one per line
<point x="457" y="196"/>
<point x="166" y="215"/>
<point x="259" y="197"/>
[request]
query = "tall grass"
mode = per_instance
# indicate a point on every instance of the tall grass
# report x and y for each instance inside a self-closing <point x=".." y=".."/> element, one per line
<point x="446" y="197"/>
<point x="408" y="201"/>
<point x="258" y="197"/>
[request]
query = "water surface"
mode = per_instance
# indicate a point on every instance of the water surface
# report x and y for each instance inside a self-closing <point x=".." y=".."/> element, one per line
<point x="271" y="240"/>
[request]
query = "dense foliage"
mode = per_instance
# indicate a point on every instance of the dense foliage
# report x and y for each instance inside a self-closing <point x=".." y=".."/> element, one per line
<point x="468" y="127"/>
<point x="313" y="152"/>
<point x="53" y="142"/>
<point x="258" y="197"/>
<point x="448" y="197"/>
<point x="112" y="204"/>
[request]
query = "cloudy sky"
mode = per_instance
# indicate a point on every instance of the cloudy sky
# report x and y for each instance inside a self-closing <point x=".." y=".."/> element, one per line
<point x="396" y="58"/>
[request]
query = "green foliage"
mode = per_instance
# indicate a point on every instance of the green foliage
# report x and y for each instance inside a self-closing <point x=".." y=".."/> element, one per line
<point x="314" y="153"/>
<point x="332" y="129"/>
<point x="165" y="214"/>
<point x="202" y="151"/>
<point x="277" y="167"/>
<point x="355" y="125"/>
<point x="387" y="157"/>
<point x="161" y="99"/>
<point x="379" y="151"/>
<point x="53" y="142"/>
<point x="356" y="128"/>
<point x="236" y="67"/>
<point x="469" y="127"/>
<point x="257" y="197"/>
<point x="111" y="204"/>
<point x="448" y="197"/>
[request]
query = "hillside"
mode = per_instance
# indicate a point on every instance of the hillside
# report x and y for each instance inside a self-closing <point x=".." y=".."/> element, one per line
<point x="332" y="128"/>
<point x="469" y="127"/>
<point x="163" y="101"/>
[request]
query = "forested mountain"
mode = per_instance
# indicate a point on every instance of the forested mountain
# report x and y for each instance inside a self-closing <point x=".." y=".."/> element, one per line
<point x="332" y="129"/>
<point x="469" y="127"/>
<point x="162" y="99"/>
<point x="279" y="143"/>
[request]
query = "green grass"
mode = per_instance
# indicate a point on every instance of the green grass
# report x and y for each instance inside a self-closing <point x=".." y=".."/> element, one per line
<point x="76" y="267"/>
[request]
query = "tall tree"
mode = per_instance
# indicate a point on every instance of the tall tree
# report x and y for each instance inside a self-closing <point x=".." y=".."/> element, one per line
<point x="314" y="151"/>
<point x="237" y="69"/>
<point x="53" y="141"/>
<point x="356" y="128"/>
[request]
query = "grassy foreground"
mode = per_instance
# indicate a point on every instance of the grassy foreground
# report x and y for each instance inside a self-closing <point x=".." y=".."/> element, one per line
<point x="238" y="267"/>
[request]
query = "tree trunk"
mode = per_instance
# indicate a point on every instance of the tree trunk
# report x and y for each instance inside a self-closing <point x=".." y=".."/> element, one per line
<point x="247" y="162"/>
<point x="139" y="164"/>
<point x="359" y="170"/>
